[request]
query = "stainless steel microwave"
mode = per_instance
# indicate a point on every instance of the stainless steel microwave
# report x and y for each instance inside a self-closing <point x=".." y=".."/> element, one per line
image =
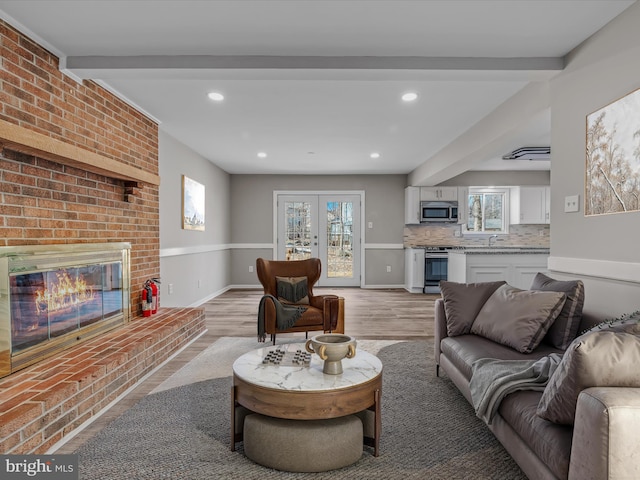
<point x="438" y="211"/>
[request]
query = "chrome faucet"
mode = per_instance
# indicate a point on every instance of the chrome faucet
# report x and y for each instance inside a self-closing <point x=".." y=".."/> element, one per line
<point x="494" y="237"/>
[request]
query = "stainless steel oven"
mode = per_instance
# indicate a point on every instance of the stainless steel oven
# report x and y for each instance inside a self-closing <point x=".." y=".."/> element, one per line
<point x="436" y="264"/>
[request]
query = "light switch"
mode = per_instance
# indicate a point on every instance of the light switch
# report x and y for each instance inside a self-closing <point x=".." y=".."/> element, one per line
<point x="572" y="203"/>
<point x="370" y="225"/>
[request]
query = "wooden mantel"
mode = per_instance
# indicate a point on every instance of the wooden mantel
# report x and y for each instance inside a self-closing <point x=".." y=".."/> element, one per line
<point x="20" y="139"/>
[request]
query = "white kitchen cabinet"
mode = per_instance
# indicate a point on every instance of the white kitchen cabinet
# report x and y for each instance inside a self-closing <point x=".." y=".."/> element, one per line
<point x="463" y="205"/>
<point x="516" y="268"/>
<point x="524" y="274"/>
<point x="411" y="205"/>
<point x="414" y="270"/>
<point x="547" y="203"/>
<point x="530" y="205"/>
<point x="486" y="273"/>
<point x="438" y="193"/>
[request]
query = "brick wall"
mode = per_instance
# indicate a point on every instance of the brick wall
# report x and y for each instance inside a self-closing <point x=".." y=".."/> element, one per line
<point x="42" y="202"/>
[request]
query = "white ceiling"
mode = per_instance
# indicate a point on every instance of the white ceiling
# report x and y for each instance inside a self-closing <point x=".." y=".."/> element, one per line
<point x="317" y="84"/>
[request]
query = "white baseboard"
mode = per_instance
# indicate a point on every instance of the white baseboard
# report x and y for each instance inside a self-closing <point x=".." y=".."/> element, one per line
<point x="208" y="297"/>
<point x="245" y="287"/>
<point x="380" y="287"/>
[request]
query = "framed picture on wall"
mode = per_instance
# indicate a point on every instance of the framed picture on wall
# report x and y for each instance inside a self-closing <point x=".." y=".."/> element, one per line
<point x="613" y="157"/>
<point x="192" y="204"/>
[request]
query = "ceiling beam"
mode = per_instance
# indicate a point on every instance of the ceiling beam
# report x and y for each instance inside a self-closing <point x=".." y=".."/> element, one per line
<point x="91" y="66"/>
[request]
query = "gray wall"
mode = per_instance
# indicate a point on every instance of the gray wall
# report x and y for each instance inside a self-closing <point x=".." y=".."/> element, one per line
<point x="252" y="225"/>
<point x="197" y="264"/>
<point x="602" y="250"/>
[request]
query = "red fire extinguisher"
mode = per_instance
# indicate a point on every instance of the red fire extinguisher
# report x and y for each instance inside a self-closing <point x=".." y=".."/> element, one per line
<point x="150" y="300"/>
<point x="155" y="293"/>
<point x="147" y="299"/>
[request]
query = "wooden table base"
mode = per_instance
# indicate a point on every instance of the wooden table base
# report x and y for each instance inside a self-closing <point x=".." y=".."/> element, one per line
<point x="309" y="405"/>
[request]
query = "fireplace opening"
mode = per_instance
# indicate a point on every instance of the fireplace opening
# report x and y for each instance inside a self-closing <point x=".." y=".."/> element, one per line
<point x="57" y="296"/>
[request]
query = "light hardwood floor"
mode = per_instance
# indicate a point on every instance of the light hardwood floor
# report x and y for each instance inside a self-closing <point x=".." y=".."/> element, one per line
<point x="389" y="313"/>
<point x="369" y="314"/>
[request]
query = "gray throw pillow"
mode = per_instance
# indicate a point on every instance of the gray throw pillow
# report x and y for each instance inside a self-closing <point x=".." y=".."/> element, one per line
<point x="596" y="359"/>
<point x="292" y="290"/>
<point x="565" y="327"/>
<point x="518" y="318"/>
<point x="463" y="301"/>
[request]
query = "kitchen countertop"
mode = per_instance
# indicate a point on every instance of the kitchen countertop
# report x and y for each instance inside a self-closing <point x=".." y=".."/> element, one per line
<point x="500" y="251"/>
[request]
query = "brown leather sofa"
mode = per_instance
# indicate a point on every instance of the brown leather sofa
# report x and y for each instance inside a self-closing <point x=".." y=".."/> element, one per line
<point x="603" y="443"/>
<point x="324" y="312"/>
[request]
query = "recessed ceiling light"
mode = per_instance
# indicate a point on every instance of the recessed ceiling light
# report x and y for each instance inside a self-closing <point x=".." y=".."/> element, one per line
<point x="262" y="155"/>
<point x="409" y="97"/>
<point x="375" y="155"/>
<point x="216" y="96"/>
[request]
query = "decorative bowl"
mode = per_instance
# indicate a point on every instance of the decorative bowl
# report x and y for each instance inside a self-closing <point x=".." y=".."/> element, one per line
<point x="332" y="348"/>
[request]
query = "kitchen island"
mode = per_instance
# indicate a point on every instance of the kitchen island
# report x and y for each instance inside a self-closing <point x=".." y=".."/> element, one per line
<point x="515" y="265"/>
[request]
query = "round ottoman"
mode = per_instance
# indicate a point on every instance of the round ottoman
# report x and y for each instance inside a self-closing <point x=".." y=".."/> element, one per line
<point x="303" y="445"/>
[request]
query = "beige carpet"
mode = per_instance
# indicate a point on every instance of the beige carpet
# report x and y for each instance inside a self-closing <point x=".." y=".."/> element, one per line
<point x="181" y="430"/>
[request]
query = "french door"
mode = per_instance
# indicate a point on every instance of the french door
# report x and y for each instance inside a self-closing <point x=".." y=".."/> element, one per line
<point x="326" y="226"/>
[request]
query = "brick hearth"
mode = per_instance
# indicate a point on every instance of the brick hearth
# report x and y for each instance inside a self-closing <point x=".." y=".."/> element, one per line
<point x="45" y="402"/>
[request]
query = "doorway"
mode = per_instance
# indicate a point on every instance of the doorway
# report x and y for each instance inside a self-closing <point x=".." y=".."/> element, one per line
<point x="322" y="225"/>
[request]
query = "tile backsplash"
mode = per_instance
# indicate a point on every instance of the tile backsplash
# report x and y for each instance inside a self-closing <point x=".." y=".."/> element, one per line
<point x="519" y="236"/>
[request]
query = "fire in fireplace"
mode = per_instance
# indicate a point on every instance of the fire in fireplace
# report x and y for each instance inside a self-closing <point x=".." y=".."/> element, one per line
<point x="56" y="296"/>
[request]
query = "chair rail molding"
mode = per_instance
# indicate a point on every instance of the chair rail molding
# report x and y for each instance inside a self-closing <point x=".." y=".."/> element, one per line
<point x="611" y="270"/>
<point x="195" y="249"/>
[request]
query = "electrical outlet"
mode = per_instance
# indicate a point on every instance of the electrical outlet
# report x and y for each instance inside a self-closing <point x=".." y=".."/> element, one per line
<point x="572" y="203"/>
<point x="250" y="268"/>
<point x="388" y="268"/>
<point x="171" y="289"/>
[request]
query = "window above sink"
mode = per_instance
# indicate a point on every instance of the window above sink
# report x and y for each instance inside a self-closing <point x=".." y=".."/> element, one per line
<point x="488" y="211"/>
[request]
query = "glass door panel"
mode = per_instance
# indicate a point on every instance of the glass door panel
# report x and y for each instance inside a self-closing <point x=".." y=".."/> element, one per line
<point x="323" y="226"/>
<point x="297" y="227"/>
<point x="339" y="239"/>
<point x="339" y="245"/>
<point x="297" y="233"/>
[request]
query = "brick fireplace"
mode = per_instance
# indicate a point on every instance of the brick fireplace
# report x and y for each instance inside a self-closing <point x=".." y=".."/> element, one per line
<point x="78" y="166"/>
<point x="55" y="296"/>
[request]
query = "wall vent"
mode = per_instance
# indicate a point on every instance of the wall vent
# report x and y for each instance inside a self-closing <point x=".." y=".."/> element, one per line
<point x="529" y="153"/>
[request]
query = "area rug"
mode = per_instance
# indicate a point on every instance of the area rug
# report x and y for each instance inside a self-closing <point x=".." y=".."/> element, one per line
<point x="181" y="429"/>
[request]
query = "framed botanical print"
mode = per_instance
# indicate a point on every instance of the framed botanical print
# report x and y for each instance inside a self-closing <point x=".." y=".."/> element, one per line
<point x="613" y="157"/>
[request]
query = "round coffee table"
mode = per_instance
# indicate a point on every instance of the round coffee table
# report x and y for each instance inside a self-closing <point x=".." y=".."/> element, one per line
<point x="304" y="392"/>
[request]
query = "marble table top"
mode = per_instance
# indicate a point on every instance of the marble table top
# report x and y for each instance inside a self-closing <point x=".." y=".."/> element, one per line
<point x="359" y="369"/>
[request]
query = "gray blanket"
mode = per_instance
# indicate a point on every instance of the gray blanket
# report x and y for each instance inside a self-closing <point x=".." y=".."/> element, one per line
<point x="492" y="380"/>
<point x="286" y="315"/>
